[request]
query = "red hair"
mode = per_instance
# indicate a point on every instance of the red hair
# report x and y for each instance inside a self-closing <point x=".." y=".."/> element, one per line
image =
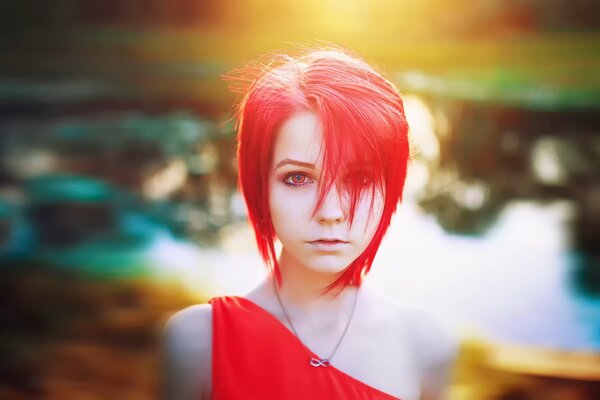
<point x="362" y="120"/>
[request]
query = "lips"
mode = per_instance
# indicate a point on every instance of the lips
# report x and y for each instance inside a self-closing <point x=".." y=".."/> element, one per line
<point x="329" y="240"/>
<point x="329" y="245"/>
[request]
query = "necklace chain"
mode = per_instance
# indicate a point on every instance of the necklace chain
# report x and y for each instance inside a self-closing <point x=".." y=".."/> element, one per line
<point x="316" y="362"/>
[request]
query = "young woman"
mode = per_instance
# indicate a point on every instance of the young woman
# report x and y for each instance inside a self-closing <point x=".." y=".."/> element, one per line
<point x="322" y="153"/>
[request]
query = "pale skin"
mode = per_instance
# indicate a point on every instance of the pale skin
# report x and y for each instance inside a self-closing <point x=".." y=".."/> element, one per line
<point x="399" y="350"/>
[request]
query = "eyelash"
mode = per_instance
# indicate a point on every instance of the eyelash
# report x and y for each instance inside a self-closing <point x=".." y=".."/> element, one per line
<point x="297" y="186"/>
<point x="292" y="185"/>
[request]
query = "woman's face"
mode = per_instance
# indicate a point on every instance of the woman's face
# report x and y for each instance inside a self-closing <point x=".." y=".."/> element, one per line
<point x="323" y="242"/>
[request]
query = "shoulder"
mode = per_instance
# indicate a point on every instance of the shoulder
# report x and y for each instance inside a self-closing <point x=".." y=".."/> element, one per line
<point x="435" y="343"/>
<point x="435" y="347"/>
<point x="187" y="353"/>
<point x="185" y="326"/>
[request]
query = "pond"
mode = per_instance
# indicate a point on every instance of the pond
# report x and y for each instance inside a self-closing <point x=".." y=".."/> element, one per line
<point x="512" y="285"/>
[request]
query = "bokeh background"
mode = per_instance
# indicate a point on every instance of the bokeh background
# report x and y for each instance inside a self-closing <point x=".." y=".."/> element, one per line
<point x="118" y="201"/>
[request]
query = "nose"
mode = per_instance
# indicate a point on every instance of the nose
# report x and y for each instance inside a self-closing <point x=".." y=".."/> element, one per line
<point x="332" y="209"/>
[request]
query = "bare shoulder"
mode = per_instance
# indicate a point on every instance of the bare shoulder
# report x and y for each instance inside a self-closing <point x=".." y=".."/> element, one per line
<point x="187" y="353"/>
<point x="434" y="341"/>
<point x="435" y="344"/>
<point x="435" y="347"/>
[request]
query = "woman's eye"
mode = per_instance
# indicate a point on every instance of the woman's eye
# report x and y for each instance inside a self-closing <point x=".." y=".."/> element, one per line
<point x="296" y="180"/>
<point x="359" y="178"/>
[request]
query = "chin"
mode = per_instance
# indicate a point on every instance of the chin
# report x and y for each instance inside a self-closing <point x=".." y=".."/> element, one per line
<point x="333" y="267"/>
<point x="333" y="264"/>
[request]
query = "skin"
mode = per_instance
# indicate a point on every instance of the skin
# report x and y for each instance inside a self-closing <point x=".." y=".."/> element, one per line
<point x="292" y="198"/>
<point x="397" y="349"/>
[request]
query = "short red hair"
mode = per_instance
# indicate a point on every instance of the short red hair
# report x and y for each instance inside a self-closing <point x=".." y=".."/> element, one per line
<point x="362" y="118"/>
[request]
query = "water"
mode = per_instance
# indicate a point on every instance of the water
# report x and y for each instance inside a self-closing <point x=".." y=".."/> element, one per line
<point x="510" y="286"/>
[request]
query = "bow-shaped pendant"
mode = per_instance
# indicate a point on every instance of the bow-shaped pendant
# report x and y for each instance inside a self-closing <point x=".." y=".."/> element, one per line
<point x="316" y="362"/>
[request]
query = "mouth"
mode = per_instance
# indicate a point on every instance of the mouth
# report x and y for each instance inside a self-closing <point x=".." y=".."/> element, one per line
<point x="328" y="240"/>
<point x="329" y="245"/>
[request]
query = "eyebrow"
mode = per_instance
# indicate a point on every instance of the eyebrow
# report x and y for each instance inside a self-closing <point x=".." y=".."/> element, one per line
<point x="305" y="164"/>
<point x="286" y="161"/>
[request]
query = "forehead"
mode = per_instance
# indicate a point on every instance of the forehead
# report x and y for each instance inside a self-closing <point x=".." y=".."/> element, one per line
<point x="299" y="137"/>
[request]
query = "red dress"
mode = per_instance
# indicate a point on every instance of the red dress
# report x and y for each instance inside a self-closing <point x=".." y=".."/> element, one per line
<point x="255" y="356"/>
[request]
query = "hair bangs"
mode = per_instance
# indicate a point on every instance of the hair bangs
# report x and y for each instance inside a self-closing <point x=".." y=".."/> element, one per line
<point x="351" y="162"/>
<point x="364" y="149"/>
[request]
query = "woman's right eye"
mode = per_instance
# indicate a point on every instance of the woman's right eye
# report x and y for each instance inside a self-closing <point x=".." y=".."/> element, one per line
<point x="296" y="180"/>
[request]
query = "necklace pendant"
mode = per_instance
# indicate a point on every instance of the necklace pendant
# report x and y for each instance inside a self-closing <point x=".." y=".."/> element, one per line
<point x="316" y="362"/>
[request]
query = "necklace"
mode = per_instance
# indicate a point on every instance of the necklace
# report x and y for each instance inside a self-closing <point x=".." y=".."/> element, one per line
<point x="314" y="361"/>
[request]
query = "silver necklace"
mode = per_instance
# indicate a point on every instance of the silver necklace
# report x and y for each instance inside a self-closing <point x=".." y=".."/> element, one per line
<point x="314" y="361"/>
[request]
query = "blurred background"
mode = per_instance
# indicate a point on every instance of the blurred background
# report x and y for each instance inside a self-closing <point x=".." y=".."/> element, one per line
<point x="118" y="201"/>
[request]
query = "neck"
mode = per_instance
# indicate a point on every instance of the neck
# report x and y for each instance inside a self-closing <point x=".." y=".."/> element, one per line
<point x="302" y="289"/>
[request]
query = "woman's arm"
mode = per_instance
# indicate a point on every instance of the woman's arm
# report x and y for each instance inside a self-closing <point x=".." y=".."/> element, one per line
<point x="436" y="379"/>
<point x="437" y="347"/>
<point x="187" y="354"/>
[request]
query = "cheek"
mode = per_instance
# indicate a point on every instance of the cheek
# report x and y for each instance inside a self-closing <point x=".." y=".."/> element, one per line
<point x="289" y="209"/>
<point x="367" y="221"/>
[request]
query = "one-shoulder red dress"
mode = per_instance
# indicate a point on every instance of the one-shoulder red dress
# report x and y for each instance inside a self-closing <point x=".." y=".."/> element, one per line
<point x="255" y="356"/>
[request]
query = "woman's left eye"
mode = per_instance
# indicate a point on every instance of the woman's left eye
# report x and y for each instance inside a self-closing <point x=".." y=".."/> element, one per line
<point x="359" y="178"/>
